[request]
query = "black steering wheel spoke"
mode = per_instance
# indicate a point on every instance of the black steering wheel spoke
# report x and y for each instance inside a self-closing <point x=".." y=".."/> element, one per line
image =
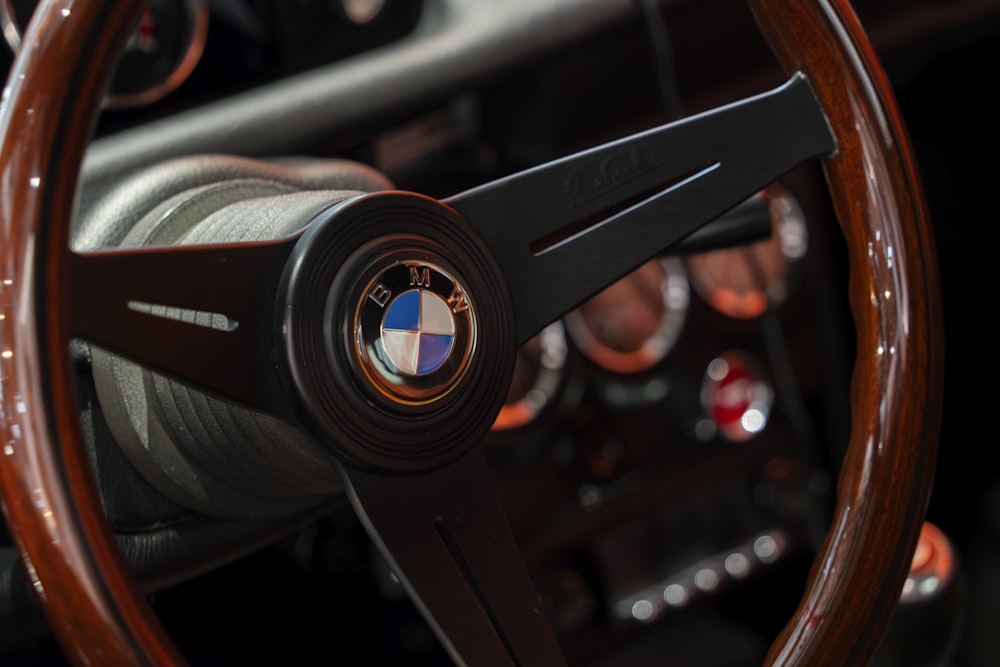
<point x="566" y="229"/>
<point x="445" y="535"/>
<point x="201" y="314"/>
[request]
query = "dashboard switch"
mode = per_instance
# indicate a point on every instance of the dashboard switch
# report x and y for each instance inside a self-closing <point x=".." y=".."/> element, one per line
<point x="735" y="397"/>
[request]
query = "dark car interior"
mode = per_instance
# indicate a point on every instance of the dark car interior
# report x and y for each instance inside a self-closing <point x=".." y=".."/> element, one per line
<point x="668" y="451"/>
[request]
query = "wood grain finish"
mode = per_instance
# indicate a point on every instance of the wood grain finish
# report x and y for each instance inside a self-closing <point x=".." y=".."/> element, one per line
<point x="884" y="486"/>
<point x="56" y="520"/>
<point x="48" y="495"/>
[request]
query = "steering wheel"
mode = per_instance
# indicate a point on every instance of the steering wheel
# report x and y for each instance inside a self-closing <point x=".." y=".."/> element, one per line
<point x="488" y="269"/>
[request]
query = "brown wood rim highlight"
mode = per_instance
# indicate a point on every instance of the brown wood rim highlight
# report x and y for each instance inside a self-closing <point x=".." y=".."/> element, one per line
<point x="884" y="486"/>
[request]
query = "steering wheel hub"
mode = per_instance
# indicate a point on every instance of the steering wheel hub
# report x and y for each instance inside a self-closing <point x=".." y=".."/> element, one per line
<point x="390" y="302"/>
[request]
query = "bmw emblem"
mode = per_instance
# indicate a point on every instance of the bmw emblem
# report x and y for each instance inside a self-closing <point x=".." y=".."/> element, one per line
<point x="414" y="330"/>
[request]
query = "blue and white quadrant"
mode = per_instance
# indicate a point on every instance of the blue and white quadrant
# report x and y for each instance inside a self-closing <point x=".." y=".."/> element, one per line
<point x="418" y="332"/>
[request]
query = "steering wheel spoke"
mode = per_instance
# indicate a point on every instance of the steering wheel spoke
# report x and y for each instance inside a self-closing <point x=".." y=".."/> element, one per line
<point x="445" y="535"/>
<point x="566" y="229"/>
<point x="201" y="314"/>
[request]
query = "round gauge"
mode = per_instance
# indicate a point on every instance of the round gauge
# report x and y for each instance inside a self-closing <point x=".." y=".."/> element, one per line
<point x="538" y="372"/>
<point x="633" y="324"/>
<point x="162" y="52"/>
<point x="360" y="12"/>
<point x="742" y="282"/>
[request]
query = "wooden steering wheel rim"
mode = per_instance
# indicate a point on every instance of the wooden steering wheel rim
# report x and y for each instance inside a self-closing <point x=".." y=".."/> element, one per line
<point x="93" y="603"/>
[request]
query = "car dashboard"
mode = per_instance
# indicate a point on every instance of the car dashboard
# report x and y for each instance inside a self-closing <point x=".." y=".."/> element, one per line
<point x="668" y="451"/>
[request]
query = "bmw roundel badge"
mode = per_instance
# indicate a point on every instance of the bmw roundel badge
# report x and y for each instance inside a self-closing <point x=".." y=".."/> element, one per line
<point x="414" y="331"/>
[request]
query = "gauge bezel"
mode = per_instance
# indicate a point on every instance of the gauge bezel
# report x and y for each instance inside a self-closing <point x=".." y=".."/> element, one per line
<point x="787" y="228"/>
<point x="192" y="56"/>
<point x="198" y="27"/>
<point x="553" y="354"/>
<point x="676" y="297"/>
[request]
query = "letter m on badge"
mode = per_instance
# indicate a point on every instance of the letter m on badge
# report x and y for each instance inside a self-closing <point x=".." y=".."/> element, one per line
<point x="420" y="276"/>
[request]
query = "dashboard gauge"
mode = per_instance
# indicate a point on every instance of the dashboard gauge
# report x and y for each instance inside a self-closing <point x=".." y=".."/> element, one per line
<point x="162" y="52"/>
<point x="361" y="12"/>
<point x="742" y="282"/>
<point x="166" y="46"/>
<point x="632" y="325"/>
<point x="538" y="373"/>
<point x="735" y="397"/>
